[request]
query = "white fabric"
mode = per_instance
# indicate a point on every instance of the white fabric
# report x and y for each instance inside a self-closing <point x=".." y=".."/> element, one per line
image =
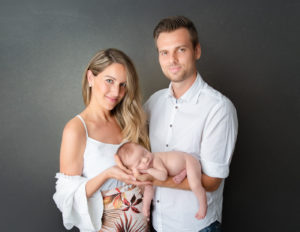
<point x="203" y="123"/>
<point x="70" y="196"/>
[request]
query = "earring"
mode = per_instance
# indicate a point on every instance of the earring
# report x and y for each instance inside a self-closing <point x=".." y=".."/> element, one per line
<point x="90" y="85"/>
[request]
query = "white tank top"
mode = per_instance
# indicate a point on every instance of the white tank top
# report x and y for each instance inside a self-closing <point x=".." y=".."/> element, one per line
<point x="99" y="156"/>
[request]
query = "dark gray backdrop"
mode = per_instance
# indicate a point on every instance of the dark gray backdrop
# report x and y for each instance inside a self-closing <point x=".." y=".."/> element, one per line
<point x="250" y="52"/>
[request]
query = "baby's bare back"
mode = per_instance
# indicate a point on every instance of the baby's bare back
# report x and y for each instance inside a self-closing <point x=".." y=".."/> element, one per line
<point x="174" y="161"/>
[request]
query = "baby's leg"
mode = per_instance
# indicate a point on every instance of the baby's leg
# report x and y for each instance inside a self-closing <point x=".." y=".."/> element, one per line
<point x="180" y="177"/>
<point x="148" y="196"/>
<point x="193" y="169"/>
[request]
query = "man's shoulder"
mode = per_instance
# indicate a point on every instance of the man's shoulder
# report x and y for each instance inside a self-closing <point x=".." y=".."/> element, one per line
<point x="156" y="96"/>
<point x="159" y="93"/>
<point x="212" y="96"/>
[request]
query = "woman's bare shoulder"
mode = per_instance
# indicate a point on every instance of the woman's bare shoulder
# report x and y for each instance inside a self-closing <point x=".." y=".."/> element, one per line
<point x="74" y="128"/>
<point x="72" y="147"/>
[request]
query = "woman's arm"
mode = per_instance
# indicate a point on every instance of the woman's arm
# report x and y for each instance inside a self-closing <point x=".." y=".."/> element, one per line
<point x="71" y="155"/>
<point x="71" y="159"/>
<point x="72" y="148"/>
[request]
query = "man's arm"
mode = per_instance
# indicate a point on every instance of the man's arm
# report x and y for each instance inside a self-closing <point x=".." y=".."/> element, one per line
<point x="169" y="183"/>
<point x="210" y="184"/>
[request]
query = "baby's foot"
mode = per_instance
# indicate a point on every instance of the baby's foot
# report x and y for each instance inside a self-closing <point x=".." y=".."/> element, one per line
<point x="180" y="177"/>
<point x="146" y="212"/>
<point x="201" y="213"/>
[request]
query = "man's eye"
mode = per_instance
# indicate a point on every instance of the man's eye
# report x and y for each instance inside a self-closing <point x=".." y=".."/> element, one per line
<point x="163" y="53"/>
<point x="182" y="49"/>
<point x="109" y="81"/>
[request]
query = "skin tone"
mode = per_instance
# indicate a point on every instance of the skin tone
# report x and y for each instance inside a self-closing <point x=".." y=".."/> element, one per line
<point x="108" y="89"/>
<point x="177" y="57"/>
<point x="161" y="165"/>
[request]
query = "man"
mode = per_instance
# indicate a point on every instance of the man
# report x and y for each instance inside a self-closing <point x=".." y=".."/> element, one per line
<point x="192" y="117"/>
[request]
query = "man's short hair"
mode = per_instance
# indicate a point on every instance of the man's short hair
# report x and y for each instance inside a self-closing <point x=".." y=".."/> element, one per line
<point x="173" y="23"/>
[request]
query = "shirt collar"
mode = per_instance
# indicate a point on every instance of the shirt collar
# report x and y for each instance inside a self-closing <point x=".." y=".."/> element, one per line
<point x="192" y="94"/>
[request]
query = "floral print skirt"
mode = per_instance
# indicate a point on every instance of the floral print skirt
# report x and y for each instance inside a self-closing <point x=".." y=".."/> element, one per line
<point x="123" y="210"/>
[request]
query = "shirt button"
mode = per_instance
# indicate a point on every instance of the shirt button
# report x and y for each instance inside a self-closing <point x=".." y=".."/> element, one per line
<point x="157" y="201"/>
<point x="167" y="145"/>
<point x="171" y="125"/>
<point x="176" y="107"/>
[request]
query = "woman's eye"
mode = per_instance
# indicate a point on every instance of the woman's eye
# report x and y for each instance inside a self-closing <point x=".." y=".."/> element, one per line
<point x="182" y="49"/>
<point x="109" y="81"/>
<point x="123" y="85"/>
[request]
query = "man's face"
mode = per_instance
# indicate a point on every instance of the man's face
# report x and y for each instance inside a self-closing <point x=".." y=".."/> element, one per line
<point x="177" y="56"/>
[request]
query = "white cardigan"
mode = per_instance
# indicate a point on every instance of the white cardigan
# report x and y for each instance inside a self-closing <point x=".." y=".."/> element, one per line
<point x="77" y="210"/>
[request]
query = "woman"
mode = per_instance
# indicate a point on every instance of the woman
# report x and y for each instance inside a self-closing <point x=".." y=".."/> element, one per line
<point x="91" y="190"/>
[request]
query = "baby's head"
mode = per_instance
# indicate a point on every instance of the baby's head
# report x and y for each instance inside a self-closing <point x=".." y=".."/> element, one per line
<point x="134" y="156"/>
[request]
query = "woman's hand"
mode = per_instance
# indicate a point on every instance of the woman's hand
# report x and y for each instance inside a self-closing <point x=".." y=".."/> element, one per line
<point x="117" y="173"/>
<point x="120" y="164"/>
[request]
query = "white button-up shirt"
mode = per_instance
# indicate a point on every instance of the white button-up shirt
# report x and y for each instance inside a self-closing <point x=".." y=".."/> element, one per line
<point x="203" y="123"/>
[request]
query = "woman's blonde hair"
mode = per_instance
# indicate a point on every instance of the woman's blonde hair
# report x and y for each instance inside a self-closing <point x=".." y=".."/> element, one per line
<point x="128" y="113"/>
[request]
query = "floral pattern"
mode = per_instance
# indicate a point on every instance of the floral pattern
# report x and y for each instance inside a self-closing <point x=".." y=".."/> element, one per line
<point x="122" y="210"/>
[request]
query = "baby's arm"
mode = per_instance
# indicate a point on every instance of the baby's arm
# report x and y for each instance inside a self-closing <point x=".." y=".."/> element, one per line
<point x="143" y="177"/>
<point x="159" y="172"/>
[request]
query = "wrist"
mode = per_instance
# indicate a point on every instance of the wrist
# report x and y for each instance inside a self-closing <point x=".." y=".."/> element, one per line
<point x="107" y="174"/>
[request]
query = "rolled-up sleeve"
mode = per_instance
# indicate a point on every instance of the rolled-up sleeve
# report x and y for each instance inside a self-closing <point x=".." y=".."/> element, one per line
<point x="219" y="137"/>
<point x="78" y="210"/>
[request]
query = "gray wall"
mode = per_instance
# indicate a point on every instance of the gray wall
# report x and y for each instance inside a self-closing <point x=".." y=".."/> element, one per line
<point x="250" y="53"/>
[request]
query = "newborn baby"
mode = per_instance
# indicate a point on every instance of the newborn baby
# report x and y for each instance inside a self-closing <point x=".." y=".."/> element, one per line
<point x="160" y="165"/>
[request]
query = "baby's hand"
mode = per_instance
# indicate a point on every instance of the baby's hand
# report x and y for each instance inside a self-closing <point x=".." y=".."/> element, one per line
<point x="142" y="175"/>
<point x="144" y="171"/>
<point x="135" y="172"/>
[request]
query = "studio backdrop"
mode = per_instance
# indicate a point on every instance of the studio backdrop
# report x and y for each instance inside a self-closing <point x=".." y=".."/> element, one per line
<point x="250" y="53"/>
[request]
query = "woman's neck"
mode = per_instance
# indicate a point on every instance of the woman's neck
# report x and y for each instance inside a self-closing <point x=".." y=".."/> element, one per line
<point x="96" y="113"/>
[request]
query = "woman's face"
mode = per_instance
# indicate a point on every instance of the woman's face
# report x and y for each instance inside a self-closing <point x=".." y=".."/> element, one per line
<point x="109" y="86"/>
